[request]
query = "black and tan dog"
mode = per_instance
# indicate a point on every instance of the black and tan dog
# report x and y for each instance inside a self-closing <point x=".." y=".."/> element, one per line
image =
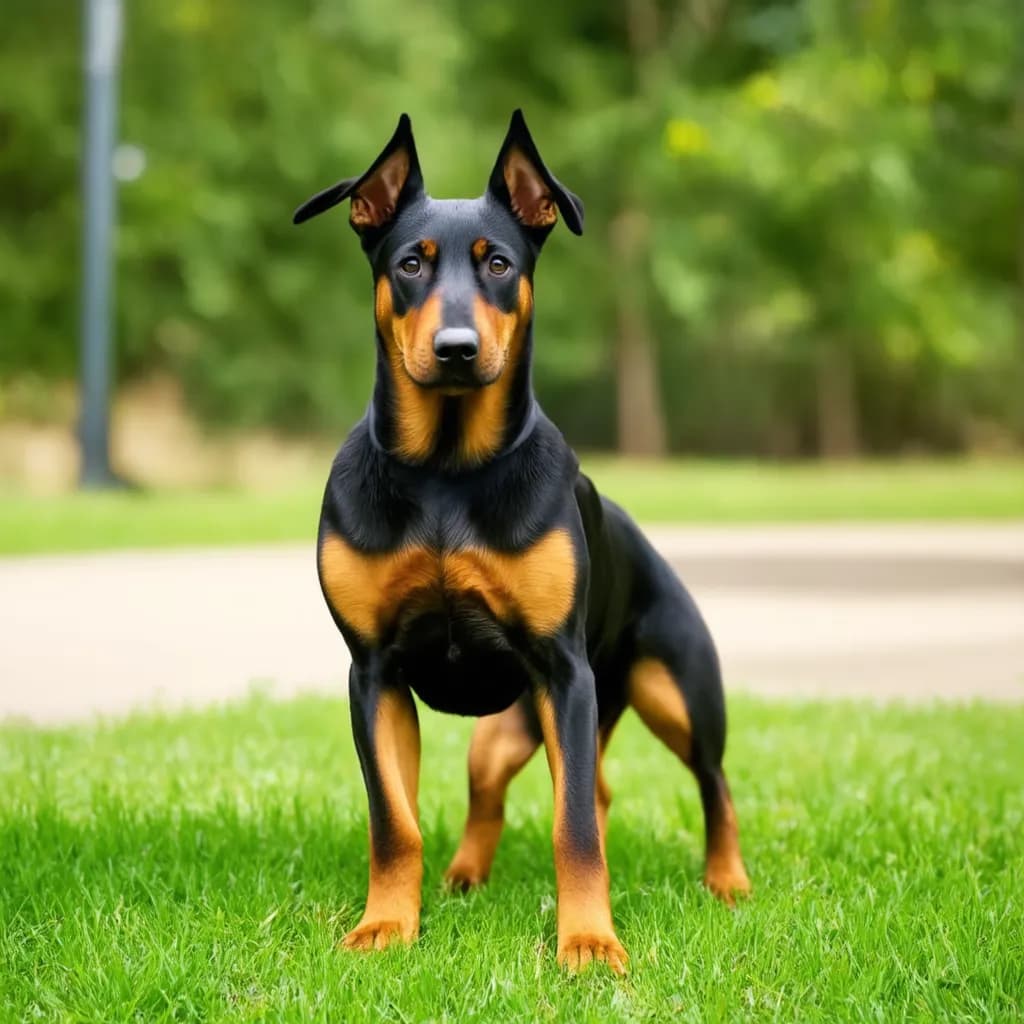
<point x="466" y="559"/>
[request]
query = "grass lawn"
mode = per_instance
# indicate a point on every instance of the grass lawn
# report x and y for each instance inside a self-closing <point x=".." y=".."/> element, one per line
<point x="676" y="491"/>
<point x="204" y="866"/>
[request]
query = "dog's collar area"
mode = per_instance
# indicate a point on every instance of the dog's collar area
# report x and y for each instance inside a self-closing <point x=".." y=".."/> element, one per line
<point x="529" y="422"/>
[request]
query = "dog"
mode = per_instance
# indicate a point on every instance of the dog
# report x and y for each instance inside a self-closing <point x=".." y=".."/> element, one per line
<point x="466" y="559"/>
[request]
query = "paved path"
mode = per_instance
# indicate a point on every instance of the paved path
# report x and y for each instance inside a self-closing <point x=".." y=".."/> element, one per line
<point x="882" y="611"/>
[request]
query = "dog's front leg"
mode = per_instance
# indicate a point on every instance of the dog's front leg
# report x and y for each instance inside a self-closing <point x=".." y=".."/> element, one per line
<point x="567" y="709"/>
<point x="387" y="736"/>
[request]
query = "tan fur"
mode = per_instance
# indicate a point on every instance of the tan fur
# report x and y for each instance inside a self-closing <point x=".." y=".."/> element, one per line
<point x="485" y="411"/>
<point x="535" y="587"/>
<point x="392" y="911"/>
<point x="413" y="333"/>
<point x="724" y="873"/>
<point x="360" y="587"/>
<point x="409" y="341"/>
<point x="657" y="699"/>
<point x="501" y="745"/>
<point x="585" y="929"/>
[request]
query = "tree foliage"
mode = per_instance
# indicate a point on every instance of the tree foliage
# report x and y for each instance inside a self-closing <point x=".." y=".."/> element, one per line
<point x="805" y="218"/>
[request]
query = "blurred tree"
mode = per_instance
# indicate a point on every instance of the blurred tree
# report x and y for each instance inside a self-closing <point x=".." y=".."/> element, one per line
<point x="805" y="218"/>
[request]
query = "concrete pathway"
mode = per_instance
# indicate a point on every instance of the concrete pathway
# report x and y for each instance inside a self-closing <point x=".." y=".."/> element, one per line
<point x="880" y="611"/>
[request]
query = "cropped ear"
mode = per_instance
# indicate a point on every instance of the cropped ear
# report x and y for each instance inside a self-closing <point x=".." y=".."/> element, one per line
<point x="377" y="195"/>
<point x="521" y="182"/>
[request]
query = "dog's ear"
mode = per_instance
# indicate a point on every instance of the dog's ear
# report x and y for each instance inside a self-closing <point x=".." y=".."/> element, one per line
<point x="521" y="182"/>
<point x="378" y="194"/>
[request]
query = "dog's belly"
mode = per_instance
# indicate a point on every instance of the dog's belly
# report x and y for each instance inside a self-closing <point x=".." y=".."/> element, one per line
<point x="459" y="659"/>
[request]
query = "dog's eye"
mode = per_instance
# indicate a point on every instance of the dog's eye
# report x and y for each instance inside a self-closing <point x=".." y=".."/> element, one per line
<point x="498" y="265"/>
<point x="410" y="266"/>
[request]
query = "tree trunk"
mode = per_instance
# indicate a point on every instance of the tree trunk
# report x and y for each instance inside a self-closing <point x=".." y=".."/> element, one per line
<point x="641" y="417"/>
<point x="838" y="418"/>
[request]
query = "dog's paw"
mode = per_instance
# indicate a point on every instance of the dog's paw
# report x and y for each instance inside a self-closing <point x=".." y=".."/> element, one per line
<point x="380" y="934"/>
<point x="578" y="951"/>
<point x="461" y="877"/>
<point x="727" y="882"/>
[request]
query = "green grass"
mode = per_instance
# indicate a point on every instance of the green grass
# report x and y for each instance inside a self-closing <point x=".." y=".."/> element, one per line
<point x="98" y="521"/>
<point x="204" y="867"/>
<point x="677" y="491"/>
<point x="719" y="492"/>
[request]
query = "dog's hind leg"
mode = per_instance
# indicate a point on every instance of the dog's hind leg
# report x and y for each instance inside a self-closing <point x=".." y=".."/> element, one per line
<point x="500" y="748"/>
<point x="724" y="873"/>
<point x="656" y="692"/>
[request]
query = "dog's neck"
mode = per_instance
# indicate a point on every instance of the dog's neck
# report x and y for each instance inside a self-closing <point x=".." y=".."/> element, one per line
<point x="423" y="426"/>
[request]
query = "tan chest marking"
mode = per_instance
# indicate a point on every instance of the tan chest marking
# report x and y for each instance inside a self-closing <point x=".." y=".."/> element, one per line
<point x="535" y="587"/>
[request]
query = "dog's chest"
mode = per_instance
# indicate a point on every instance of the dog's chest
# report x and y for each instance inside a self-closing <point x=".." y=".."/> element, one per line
<point x="370" y="591"/>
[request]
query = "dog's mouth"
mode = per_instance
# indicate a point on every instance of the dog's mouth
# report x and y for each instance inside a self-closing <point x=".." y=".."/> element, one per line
<point x="455" y="380"/>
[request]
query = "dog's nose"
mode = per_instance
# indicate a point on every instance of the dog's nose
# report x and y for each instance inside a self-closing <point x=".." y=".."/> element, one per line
<point x="456" y="344"/>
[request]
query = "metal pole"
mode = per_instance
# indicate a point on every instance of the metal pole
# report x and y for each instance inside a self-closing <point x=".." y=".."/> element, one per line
<point x="102" y="55"/>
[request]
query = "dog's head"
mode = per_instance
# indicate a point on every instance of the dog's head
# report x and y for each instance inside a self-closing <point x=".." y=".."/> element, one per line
<point x="454" y="293"/>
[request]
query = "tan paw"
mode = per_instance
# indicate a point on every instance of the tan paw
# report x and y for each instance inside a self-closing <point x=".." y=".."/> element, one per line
<point x="727" y="882"/>
<point x="577" y="951"/>
<point x="462" y="876"/>
<point x="381" y="934"/>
